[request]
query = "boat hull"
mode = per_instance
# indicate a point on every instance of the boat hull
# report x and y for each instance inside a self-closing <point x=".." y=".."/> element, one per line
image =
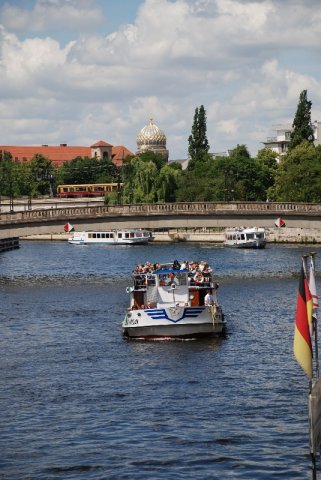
<point x="112" y="237"/>
<point x="246" y="245"/>
<point x="173" y="322"/>
<point x="122" y="242"/>
<point x="239" y="237"/>
<point x="175" y="331"/>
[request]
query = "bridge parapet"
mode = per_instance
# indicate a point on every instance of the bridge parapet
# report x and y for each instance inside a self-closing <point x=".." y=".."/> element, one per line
<point x="190" y="208"/>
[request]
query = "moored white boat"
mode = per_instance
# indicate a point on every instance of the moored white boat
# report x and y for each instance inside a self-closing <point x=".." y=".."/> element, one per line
<point x="112" y="237"/>
<point x="239" y="237"/>
<point x="167" y="302"/>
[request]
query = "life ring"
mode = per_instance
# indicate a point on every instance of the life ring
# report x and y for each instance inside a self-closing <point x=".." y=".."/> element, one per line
<point x="199" y="278"/>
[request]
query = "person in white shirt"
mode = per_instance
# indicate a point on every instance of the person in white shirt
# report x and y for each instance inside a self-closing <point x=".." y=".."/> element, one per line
<point x="209" y="299"/>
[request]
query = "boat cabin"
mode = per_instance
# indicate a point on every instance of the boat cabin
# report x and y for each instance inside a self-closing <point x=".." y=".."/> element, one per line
<point x="167" y="286"/>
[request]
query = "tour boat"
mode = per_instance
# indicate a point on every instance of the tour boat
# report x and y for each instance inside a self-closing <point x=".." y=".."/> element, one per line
<point x="167" y="302"/>
<point x="112" y="237"/>
<point x="239" y="237"/>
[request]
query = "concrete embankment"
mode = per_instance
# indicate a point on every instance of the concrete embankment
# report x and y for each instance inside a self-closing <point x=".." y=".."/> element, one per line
<point x="274" y="235"/>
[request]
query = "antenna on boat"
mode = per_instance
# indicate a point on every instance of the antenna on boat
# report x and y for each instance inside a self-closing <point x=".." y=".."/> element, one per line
<point x="173" y="287"/>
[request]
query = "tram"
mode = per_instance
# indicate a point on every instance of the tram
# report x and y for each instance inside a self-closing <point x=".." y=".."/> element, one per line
<point x="87" y="190"/>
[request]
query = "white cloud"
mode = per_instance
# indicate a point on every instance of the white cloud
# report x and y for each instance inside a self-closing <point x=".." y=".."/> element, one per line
<point x="51" y="14"/>
<point x="242" y="59"/>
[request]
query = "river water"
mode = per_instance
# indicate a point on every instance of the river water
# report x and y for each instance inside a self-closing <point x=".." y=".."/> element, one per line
<point x="78" y="401"/>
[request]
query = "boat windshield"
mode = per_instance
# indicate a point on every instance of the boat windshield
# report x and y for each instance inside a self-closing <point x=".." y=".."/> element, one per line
<point x="172" y="277"/>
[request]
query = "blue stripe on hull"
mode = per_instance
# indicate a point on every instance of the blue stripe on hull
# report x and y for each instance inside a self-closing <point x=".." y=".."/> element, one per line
<point x="161" y="314"/>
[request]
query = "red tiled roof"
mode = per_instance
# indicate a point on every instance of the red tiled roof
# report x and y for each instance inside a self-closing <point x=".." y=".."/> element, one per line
<point x="119" y="153"/>
<point x="62" y="153"/>
<point x="101" y="143"/>
<point x="58" y="155"/>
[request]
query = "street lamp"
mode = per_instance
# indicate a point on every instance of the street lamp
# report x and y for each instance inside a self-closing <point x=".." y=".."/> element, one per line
<point x="119" y="188"/>
<point x="229" y="178"/>
<point x="11" y="209"/>
<point x="48" y="177"/>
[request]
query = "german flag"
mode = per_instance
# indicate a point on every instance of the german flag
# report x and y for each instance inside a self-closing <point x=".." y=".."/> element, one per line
<point x="302" y="345"/>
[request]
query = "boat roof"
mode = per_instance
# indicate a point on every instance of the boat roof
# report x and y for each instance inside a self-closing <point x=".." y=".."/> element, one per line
<point x="244" y="229"/>
<point x="167" y="270"/>
<point x="112" y="230"/>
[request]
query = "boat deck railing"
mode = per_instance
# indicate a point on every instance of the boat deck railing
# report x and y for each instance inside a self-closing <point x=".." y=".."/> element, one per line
<point x="143" y="280"/>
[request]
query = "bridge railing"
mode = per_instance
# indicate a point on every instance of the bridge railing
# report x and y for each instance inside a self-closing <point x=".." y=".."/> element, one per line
<point x="191" y="208"/>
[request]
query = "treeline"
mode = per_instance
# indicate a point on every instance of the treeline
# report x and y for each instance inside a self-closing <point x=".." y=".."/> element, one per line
<point x="148" y="178"/>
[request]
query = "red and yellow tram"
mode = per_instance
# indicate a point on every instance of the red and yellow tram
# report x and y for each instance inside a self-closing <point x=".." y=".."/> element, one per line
<point x="87" y="190"/>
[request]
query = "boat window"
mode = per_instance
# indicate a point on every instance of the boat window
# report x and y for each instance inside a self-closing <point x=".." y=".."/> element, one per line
<point x="126" y="235"/>
<point x="119" y="235"/>
<point x="98" y="235"/>
<point x="94" y="235"/>
<point x="90" y="235"/>
<point x="132" y="235"/>
<point x="103" y="235"/>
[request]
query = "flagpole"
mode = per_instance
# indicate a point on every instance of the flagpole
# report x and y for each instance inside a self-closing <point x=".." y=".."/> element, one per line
<point x="315" y="327"/>
<point x="311" y="383"/>
<point x="305" y="268"/>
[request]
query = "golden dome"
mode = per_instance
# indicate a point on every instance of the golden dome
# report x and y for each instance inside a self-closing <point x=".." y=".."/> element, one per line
<point x="151" y="135"/>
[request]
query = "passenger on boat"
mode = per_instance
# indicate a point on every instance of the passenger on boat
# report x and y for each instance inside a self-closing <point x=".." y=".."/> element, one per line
<point x="209" y="299"/>
<point x="138" y="281"/>
<point x="176" y="265"/>
<point x="172" y="279"/>
<point x="184" y="265"/>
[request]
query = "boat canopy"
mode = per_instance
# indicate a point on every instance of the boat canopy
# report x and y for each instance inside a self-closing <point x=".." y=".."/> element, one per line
<point x="161" y="271"/>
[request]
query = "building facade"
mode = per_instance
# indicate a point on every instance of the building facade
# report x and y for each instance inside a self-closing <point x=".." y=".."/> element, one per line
<point x="280" y="142"/>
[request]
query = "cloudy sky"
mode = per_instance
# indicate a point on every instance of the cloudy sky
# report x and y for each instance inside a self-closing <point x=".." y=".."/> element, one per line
<point x="79" y="71"/>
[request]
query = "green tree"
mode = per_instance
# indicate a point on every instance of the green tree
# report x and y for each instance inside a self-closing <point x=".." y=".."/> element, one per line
<point x="41" y="173"/>
<point x="88" y="170"/>
<point x="157" y="158"/>
<point x="268" y="162"/>
<point x="298" y="177"/>
<point x="302" y="126"/>
<point x="244" y="176"/>
<point x="9" y="175"/>
<point x="236" y="177"/>
<point x="167" y="183"/>
<point x="149" y="178"/>
<point x="198" y="146"/>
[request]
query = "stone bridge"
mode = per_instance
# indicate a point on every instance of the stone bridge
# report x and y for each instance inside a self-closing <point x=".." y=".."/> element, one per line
<point x="159" y="216"/>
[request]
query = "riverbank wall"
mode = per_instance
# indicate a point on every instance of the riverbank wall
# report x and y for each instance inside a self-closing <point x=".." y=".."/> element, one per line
<point x="207" y="235"/>
<point x="8" y="244"/>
